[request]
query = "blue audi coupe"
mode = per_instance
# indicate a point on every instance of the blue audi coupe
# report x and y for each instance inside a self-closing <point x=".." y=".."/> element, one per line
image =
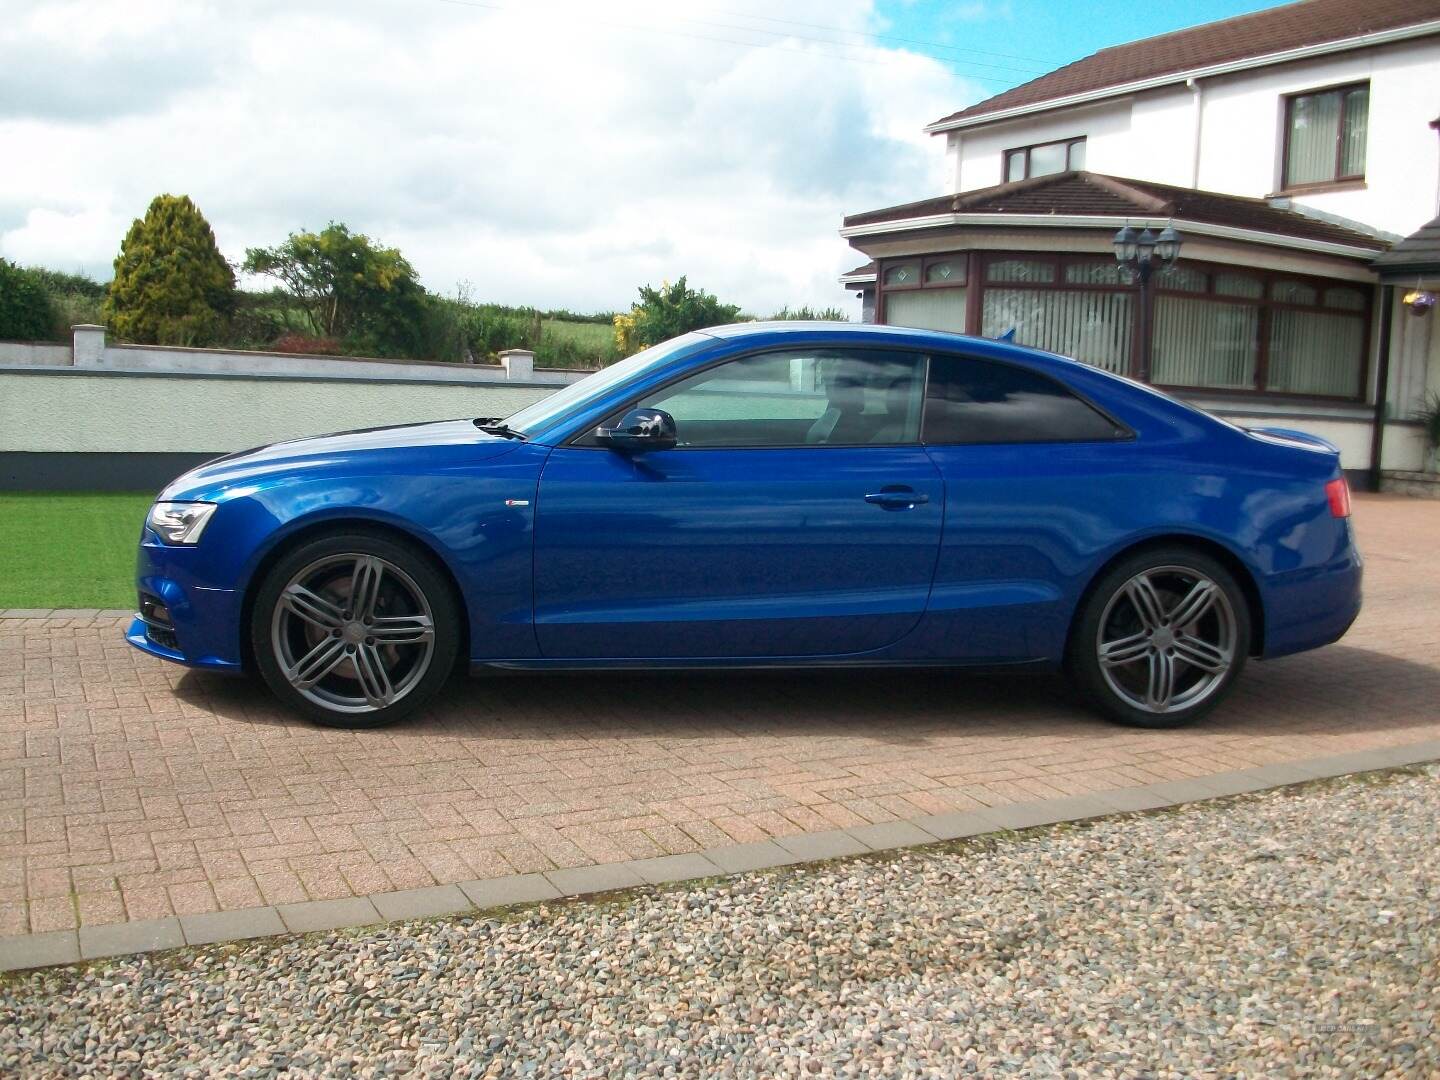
<point x="766" y="495"/>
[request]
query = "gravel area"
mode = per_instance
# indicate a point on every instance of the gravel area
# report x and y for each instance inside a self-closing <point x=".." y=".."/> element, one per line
<point x="1293" y="933"/>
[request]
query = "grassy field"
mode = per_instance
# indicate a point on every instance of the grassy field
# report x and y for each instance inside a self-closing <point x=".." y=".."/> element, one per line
<point x="69" y="550"/>
<point x="596" y="340"/>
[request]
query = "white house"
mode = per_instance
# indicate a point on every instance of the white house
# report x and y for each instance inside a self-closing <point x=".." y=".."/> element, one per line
<point x="1290" y="148"/>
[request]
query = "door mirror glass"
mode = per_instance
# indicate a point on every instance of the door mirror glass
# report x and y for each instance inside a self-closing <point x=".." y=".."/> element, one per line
<point x="640" y="429"/>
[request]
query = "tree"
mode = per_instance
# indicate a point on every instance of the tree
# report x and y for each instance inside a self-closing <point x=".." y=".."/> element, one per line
<point x="667" y="312"/>
<point x="26" y="313"/>
<point x="172" y="286"/>
<point x="349" y="287"/>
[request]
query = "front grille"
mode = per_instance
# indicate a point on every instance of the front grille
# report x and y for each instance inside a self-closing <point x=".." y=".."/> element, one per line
<point x="166" y="639"/>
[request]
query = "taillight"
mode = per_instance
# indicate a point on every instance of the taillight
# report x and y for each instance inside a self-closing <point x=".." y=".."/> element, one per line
<point x="1338" y="492"/>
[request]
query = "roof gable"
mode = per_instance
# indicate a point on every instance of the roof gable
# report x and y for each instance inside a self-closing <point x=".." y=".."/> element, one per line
<point x="1262" y="33"/>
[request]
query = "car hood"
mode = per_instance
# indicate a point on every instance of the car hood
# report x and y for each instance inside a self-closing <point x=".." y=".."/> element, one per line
<point x="339" y="449"/>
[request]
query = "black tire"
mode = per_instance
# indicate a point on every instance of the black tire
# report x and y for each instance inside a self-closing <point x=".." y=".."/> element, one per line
<point x="410" y="571"/>
<point x="1113" y="607"/>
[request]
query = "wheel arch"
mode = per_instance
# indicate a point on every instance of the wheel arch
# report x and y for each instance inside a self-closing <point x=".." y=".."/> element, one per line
<point x="311" y="529"/>
<point x="1244" y="576"/>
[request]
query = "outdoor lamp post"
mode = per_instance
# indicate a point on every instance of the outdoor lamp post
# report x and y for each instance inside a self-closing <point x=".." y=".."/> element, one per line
<point x="1140" y="254"/>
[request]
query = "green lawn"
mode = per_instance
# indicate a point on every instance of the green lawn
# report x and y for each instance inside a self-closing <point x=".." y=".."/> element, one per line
<point x="69" y="550"/>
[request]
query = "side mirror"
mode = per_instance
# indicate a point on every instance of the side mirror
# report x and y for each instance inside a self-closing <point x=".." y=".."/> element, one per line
<point x="639" y="430"/>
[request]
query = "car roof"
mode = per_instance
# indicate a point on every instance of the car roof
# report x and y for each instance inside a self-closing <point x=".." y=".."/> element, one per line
<point x="1076" y="373"/>
<point x="877" y="333"/>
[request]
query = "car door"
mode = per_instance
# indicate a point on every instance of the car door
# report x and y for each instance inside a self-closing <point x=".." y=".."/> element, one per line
<point x="1034" y="476"/>
<point x="797" y="516"/>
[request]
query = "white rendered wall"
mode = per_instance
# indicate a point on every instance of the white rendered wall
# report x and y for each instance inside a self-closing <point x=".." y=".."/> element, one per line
<point x="1152" y="136"/>
<point x="65" y="411"/>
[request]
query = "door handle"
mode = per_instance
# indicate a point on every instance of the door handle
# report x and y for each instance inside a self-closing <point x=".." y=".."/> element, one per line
<point x="897" y="497"/>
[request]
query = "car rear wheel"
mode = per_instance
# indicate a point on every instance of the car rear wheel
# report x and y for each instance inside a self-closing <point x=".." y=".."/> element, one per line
<point x="1162" y="638"/>
<point x="355" y="630"/>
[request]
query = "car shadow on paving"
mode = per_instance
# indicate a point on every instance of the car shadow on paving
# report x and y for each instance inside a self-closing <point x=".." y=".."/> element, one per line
<point x="1332" y="689"/>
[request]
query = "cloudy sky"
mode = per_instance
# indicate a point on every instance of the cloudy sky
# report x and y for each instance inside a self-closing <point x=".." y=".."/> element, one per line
<point x="548" y="152"/>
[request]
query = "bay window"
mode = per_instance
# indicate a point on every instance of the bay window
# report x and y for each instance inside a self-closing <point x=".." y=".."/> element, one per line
<point x="929" y="294"/>
<point x="1224" y="328"/>
<point x="1060" y="313"/>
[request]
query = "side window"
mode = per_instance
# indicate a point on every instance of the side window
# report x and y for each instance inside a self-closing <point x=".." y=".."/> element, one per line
<point x="980" y="401"/>
<point x="849" y="397"/>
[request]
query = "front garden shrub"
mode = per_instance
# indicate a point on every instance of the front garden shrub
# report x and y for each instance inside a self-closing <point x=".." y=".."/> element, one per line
<point x="172" y="286"/>
<point x="26" y="310"/>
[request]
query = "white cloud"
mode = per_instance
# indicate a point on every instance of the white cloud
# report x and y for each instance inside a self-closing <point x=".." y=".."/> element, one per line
<point x="549" y="152"/>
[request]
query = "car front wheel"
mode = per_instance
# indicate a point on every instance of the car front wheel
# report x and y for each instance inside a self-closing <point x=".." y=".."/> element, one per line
<point x="355" y="630"/>
<point x="1162" y="638"/>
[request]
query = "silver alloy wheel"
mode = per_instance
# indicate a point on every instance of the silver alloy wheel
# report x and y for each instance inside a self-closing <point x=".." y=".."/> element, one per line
<point x="1167" y="639"/>
<point x="353" y="633"/>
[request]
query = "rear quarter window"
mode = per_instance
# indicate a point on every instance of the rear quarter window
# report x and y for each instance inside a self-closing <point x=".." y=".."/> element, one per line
<point x="983" y="401"/>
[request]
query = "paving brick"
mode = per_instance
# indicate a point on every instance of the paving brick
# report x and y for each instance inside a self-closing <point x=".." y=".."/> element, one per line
<point x="665" y="868"/>
<point x="146" y="935"/>
<point x="1131" y="799"/>
<point x="1067" y="808"/>
<point x="890" y="834"/>
<point x="167" y="796"/>
<point x="313" y="915"/>
<point x="758" y="855"/>
<point x="958" y="824"/>
<point x="832" y="844"/>
<point x="1194" y="789"/>
<point x="39" y="950"/>
<point x="578" y="880"/>
<point x="231" y="925"/>
<point x="512" y="889"/>
<point x="420" y="903"/>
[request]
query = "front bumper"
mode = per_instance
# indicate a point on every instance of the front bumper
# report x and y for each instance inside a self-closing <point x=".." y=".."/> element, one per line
<point x="200" y="625"/>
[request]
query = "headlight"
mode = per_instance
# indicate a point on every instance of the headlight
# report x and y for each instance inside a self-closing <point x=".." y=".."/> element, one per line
<point x="180" y="522"/>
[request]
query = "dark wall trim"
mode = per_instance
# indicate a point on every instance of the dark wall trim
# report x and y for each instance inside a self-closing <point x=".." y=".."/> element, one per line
<point x="20" y="471"/>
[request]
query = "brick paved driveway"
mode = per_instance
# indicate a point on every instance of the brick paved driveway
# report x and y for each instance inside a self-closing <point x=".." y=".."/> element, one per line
<point x="130" y="789"/>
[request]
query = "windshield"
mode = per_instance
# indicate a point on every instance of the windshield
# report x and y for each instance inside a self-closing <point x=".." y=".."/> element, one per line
<point x="535" y="418"/>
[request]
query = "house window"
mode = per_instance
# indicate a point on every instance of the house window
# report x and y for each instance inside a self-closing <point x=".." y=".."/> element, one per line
<point x="1201" y="342"/>
<point x="1250" y="331"/>
<point x="930" y="296"/>
<point x="1213" y="327"/>
<point x="1043" y="159"/>
<point x="1325" y="135"/>
<point x="1091" y="324"/>
<point x="1313" y="352"/>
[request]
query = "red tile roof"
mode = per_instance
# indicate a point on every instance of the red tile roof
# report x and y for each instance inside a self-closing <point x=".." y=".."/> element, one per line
<point x="1097" y="194"/>
<point x="1310" y="22"/>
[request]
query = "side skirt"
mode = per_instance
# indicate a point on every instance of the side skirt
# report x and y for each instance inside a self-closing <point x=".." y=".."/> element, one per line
<point x="495" y="667"/>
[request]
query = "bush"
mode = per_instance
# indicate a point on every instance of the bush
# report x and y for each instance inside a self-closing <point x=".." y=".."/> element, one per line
<point x="304" y="343"/>
<point x="75" y="299"/>
<point x="351" y="288"/>
<point x="172" y="286"/>
<point x="804" y="313"/>
<point x="668" y="312"/>
<point x="26" y="311"/>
